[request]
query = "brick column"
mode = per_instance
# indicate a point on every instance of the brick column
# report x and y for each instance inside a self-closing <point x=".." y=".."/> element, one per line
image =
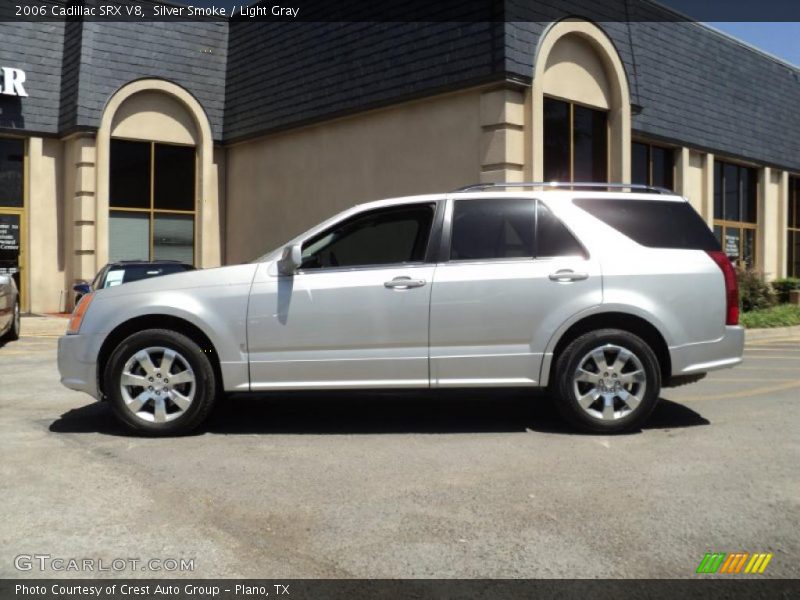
<point x="502" y="135"/>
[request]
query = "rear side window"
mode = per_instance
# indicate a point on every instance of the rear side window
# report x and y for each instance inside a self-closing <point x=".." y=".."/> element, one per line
<point x="653" y="223"/>
<point x="492" y="229"/>
<point x="552" y="236"/>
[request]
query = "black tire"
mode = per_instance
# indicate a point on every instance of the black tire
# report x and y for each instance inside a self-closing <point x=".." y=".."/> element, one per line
<point x="204" y="385"/>
<point x="12" y="334"/>
<point x="567" y="389"/>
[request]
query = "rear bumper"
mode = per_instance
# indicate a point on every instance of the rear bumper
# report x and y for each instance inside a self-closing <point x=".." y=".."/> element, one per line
<point x="78" y="369"/>
<point x="708" y="356"/>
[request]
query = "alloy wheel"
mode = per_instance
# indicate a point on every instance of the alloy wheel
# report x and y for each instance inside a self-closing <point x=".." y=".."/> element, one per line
<point x="609" y="382"/>
<point x="157" y="384"/>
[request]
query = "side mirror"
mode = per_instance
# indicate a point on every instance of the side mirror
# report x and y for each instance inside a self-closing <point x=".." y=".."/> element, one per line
<point x="291" y="259"/>
<point x="81" y="287"/>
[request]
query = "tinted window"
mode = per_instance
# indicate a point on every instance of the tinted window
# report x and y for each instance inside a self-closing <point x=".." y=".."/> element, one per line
<point x="556" y="140"/>
<point x="552" y="236"/>
<point x="653" y="223"/>
<point x="129" y="175"/>
<point x="640" y="163"/>
<point x="173" y="180"/>
<point x="663" y="162"/>
<point x="11" y="161"/>
<point x="380" y="237"/>
<point x="590" y="145"/>
<point x="484" y="229"/>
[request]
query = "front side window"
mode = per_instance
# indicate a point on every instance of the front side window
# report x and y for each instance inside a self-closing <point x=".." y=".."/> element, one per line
<point x="652" y="165"/>
<point x="575" y="142"/>
<point x="387" y="236"/>
<point x="152" y="201"/>
<point x="735" y="211"/>
<point x="793" y="237"/>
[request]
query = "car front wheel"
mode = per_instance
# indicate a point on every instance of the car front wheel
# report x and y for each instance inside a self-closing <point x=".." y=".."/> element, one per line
<point x="160" y="382"/>
<point x="607" y="381"/>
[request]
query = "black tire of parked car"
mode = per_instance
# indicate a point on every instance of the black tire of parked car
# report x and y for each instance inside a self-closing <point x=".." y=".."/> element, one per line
<point x="206" y="382"/>
<point x="13" y="332"/>
<point x="567" y="363"/>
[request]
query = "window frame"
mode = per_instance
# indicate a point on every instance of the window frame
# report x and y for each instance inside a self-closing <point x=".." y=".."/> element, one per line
<point x="447" y="233"/>
<point x="742" y="226"/>
<point x="571" y="127"/>
<point x="152" y="211"/>
<point x="792" y="224"/>
<point x="430" y="249"/>
<point x="650" y="145"/>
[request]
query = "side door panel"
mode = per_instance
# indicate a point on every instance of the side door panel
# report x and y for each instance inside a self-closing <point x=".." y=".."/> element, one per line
<point x="491" y="320"/>
<point x="339" y="329"/>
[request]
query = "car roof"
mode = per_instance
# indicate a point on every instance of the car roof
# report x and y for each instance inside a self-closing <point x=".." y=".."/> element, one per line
<point x="509" y="193"/>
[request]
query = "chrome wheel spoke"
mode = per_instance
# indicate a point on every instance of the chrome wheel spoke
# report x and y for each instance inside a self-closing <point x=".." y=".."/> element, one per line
<point x="134" y="380"/>
<point x="166" y="362"/>
<point x="160" y="410"/>
<point x="629" y="399"/>
<point x="182" y="377"/>
<point x="632" y="377"/>
<point x="588" y="399"/>
<point x="135" y="405"/>
<point x="144" y="360"/>
<point x="623" y="356"/>
<point x="599" y="357"/>
<point x="179" y="399"/>
<point x="608" y="407"/>
<point x="586" y="376"/>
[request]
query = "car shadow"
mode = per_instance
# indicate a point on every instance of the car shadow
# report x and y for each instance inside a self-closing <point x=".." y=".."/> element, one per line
<point x="378" y="412"/>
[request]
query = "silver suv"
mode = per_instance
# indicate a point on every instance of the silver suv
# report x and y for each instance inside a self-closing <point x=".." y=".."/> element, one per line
<point x="602" y="297"/>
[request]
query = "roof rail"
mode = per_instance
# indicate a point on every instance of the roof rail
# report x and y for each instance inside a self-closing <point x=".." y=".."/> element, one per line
<point x="631" y="187"/>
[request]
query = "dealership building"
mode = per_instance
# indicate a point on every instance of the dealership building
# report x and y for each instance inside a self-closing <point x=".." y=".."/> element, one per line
<point x="214" y="141"/>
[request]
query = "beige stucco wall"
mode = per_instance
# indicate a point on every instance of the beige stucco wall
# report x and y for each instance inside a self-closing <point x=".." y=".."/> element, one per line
<point x="152" y="115"/>
<point x="45" y="231"/>
<point x="279" y="185"/>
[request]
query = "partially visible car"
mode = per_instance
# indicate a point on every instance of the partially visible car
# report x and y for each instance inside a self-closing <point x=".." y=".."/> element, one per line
<point x="9" y="309"/>
<point x="125" y="271"/>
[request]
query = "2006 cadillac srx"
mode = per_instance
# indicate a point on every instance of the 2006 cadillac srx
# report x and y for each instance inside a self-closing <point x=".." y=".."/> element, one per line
<point x="600" y="296"/>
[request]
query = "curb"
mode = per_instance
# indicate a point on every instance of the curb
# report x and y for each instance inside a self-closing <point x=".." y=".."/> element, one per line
<point x="43" y="326"/>
<point x="772" y="333"/>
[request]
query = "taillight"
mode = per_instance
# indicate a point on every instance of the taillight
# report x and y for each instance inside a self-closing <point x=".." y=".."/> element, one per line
<point x="731" y="286"/>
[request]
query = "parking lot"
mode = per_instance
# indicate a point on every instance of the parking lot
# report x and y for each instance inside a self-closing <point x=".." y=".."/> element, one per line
<point x="479" y="484"/>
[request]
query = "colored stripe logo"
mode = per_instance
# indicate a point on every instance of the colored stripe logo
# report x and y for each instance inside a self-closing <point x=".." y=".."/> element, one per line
<point x="734" y="563"/>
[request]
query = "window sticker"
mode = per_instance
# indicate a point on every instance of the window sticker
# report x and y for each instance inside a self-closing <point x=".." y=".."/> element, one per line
<point x="114" y="278"/>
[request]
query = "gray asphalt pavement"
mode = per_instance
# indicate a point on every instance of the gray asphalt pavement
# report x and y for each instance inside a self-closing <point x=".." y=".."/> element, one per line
<point x="479" y="484"/>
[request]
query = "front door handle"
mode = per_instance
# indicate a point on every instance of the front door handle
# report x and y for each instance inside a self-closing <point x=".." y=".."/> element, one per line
<point x="404" y="283"/>
<point x="567" y="275"/>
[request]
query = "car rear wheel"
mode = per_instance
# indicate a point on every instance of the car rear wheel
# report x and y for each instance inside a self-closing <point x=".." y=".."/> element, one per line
<point x="13" y="333"/>
<point x="607" y="381"/>
<point x="160" y="382"/>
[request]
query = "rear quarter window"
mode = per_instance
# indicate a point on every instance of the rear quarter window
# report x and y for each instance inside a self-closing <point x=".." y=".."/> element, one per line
<point x="653" y="223"/>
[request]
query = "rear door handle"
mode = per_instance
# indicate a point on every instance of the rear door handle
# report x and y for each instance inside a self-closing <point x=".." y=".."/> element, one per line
<point x="567" y="275"/>
<point x="404" y="283"/>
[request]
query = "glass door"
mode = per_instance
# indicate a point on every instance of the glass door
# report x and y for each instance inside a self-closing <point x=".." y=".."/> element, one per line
<point x="11" y="247"/>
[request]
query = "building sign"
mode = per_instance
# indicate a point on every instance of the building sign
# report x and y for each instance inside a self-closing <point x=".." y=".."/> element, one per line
<point x="12" y="81"/>
<point x="9" y="244"/>
<point x="732" y="245"/>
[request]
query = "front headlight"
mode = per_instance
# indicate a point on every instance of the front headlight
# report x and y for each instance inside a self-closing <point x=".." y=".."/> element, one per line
<point x="77" y="315"/>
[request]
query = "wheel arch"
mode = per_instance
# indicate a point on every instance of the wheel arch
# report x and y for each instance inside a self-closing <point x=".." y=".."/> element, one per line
<point x="625" y="321"/>
<point x="155" y="321"/>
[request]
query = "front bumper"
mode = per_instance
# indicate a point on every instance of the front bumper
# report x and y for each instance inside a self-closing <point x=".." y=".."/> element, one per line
<point x="76" y="364"/>
<point x="708" y="356"/>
